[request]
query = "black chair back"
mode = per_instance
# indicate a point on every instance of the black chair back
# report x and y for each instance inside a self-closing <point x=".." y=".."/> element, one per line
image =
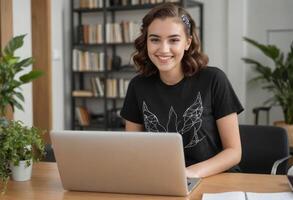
<point x="261" y="147"/>
<point x="49" y="157"/>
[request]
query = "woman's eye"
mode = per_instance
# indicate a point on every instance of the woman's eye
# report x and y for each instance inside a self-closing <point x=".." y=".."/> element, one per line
<point x="174" y="40"/>
<point x="154" y="39"/>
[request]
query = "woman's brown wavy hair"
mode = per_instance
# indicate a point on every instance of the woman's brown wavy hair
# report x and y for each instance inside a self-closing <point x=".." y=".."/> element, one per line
<point x="193" y="59"/>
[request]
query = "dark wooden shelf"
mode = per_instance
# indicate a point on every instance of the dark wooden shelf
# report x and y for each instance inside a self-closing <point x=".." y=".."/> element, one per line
<point x="90" y="72"/>
<point x="101" y="44"/>
<point x="104" y="72"/>
<point x="94" y="97"/>
<point x="189" y="3"/>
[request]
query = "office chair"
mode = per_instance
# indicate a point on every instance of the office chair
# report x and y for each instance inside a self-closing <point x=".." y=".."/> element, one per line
<point x="256" y="112"/>
<point x="262" y="146"/>
<point x="49" y="157"/>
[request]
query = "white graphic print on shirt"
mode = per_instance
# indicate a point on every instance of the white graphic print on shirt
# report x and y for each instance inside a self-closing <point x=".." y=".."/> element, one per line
<point x="191" y="120"/>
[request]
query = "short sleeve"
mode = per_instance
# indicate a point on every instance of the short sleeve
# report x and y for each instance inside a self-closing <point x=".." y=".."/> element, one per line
<point x="224" y="99"/>
<point x="130" y="110"/>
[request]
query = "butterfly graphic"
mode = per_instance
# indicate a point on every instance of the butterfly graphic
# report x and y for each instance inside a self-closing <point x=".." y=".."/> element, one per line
<point x="191" y="121"/>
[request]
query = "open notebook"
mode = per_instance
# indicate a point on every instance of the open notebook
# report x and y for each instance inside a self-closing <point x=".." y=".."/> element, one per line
<point x="248" y="196"/>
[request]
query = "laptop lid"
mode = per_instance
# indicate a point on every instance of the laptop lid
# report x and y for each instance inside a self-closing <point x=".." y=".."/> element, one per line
<point x="121" y="162"/>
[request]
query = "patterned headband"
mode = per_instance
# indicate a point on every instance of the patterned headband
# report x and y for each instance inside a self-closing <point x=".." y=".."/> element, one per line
<point x="186" y="22"/>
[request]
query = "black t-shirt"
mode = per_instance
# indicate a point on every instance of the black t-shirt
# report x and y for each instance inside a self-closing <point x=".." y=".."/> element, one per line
<point x="190" y="107"/>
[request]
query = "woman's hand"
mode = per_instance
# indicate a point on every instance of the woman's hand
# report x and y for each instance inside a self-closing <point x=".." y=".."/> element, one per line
<point x="191" y="173"/>
<point x="228" y="157"/>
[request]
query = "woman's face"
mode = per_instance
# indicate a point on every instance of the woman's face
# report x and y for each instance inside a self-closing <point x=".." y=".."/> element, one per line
<point x="166" y="43"/>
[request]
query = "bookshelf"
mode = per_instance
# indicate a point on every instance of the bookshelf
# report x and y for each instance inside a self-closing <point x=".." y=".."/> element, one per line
<point x="100" y="73"/>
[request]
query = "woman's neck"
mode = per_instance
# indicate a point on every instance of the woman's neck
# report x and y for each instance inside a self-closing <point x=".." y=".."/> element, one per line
<point x="171" y="78"/>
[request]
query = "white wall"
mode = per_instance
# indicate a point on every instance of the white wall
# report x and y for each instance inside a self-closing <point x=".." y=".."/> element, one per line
<point x="57" y="65"/>
<point x="226" y="22"/>
<point x="264" y="16"/>
<point x="215" y="32"/>
<point x="22" y="25"/>
<point x="224" y="26"/>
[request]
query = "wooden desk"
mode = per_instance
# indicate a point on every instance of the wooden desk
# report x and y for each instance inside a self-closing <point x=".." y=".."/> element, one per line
<point x="46" y="185"/>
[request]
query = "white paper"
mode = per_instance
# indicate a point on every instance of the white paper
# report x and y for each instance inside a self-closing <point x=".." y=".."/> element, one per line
<point x="250" y="196"/>
<point x="270" y="196"/>
<point x="224" y="196"/>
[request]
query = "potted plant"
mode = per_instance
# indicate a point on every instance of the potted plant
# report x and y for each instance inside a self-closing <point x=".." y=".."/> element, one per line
<point x="10" y="66"/>
<point x="12" y="76"/>
<point x="278" y="80"/>
<point x="20" y="145"/>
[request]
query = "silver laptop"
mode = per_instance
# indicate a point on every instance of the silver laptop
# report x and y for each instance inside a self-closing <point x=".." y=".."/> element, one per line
<point x="122" y="162"/>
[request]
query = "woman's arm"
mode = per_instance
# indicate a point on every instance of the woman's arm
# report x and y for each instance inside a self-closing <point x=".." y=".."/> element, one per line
<point x="131" y="126"/>
<point x="229" y="157"/>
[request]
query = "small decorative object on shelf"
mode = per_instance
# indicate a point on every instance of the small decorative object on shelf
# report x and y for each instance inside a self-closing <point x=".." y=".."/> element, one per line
<point x="100" y="70"/>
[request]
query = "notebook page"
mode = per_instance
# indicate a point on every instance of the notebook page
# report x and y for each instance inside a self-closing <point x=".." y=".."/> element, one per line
<point x="224" y="196"/>
<point x="270" y="196"/>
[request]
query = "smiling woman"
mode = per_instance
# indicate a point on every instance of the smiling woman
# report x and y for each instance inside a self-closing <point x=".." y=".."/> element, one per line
<point x="177" y="92"/>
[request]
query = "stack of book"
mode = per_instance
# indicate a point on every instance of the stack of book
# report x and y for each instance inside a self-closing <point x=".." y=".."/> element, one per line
<point x="97" y="87"/>
<point x="90" y="4"/>
<point x="116" y="87"/>
<point x="82" y="93"/>
<point x="83" y="116"/>
<point x="89" y="61"/>
<point x="123" y="32"/>
<point x="90" y="34"/>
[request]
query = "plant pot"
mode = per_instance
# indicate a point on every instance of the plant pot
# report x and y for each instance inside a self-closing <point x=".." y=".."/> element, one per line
<point x="288" y="128"/>
<point x="21" y="172"/>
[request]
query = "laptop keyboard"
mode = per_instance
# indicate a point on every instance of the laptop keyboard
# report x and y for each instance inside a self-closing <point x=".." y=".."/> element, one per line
<point x="192" y="183"/>
<point x="189" y="180"/>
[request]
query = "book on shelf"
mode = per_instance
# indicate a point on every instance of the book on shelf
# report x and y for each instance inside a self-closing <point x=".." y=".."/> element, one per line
<point x="123" y="32"/>
<point x="172" y="1"/>
<point x="90" y="34"/>
<point x="117" y="87"/>
<point x="97" y="87"/>
<point x="89" y="61"/>
<point x="83" y="115"/>
<point x="82" y="93"/>
<point x="239" y="195"/>
<point x="100" y="86"/>
<point x="90" y="4"/>
<point x="94" y="87"/>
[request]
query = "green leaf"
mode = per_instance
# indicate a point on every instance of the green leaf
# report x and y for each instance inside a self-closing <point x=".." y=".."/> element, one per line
<point x="14" y="44"/>
<point x="31" y="76"/>
<point x="15" y="103"/>
<point x="250" y="61"/>
<point x="269" y="50"/>
<point x="10" y="60"/>
<point x="24" y="63"/>
<point x="19" y="96"/>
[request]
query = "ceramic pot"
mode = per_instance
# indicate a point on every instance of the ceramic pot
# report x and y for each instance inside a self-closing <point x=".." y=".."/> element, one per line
<point x="21" y="172"/>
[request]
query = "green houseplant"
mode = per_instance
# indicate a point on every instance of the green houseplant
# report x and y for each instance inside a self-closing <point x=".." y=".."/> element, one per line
<point x="19" y="143"/>
<point x="278" y="79"/>
<point x="10" y="67"/>
<point x="12" y="76"/>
